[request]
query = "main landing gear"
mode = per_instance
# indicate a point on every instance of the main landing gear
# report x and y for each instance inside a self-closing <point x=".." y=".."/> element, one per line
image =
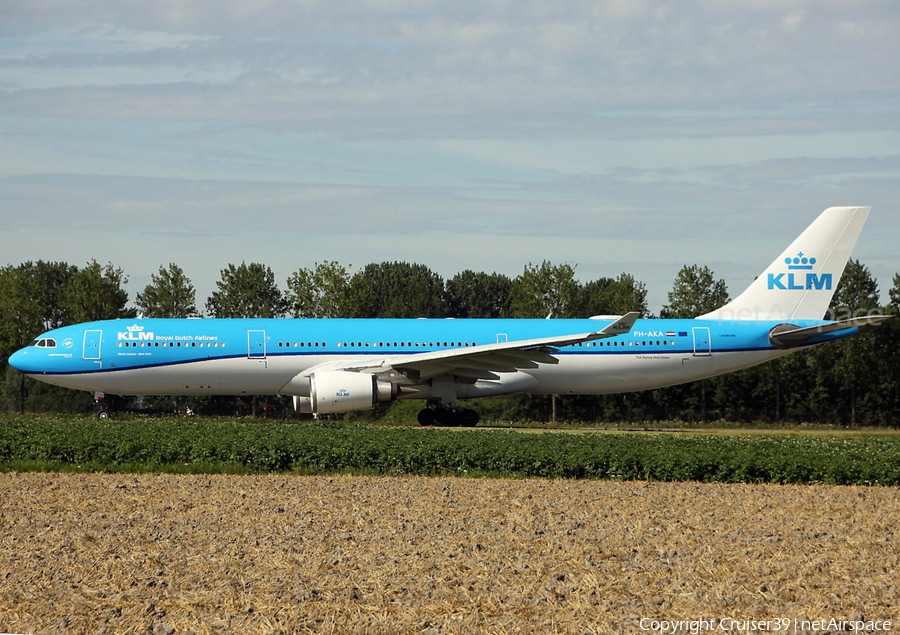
<point x="459" y="417"/>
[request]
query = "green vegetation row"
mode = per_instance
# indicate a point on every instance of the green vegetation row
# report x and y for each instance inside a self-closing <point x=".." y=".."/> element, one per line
<point x="192" y="446"/>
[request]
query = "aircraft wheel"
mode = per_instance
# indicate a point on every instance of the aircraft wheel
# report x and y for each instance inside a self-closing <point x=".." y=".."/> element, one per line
<point x="469" y="418"/>
<point x="443" y="417"/>
<point x="426" y="417"/>
<point x="103" y="415"/>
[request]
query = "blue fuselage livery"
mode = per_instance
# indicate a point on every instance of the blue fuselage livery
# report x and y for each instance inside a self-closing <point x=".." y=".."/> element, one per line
<point x="343" y="365"/>
<point x="261" y="356"/>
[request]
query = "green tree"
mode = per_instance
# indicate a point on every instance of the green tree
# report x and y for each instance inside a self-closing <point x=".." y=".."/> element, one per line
<point x="396" y="290"/>
<point x="894" y="294"/>
<point x="614" y="296"/>
<point x="52" y="279"/>
<point x="247" y="291"/>
<point x="320" y="292"/>
<point x="96" y="293"/>
<point x="478" y="295"/>
<point x="695" y="292"/>
<point x="22" y="317"/>
<point x="22" y="320"/>
<point x="170" y="294"/>
<point x="546" y="290"/>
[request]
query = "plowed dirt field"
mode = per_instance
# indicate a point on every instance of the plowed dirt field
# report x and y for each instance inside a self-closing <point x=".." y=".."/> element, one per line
<point x="101" y="553"/>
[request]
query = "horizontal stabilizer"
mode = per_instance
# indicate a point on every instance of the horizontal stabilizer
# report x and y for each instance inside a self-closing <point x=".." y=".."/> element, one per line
<point x="786" y="336"/>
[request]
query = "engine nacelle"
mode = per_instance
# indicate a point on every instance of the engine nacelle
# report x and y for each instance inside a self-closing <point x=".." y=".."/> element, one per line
<point x="343" y="391"/>
<point x="302" y="404"/>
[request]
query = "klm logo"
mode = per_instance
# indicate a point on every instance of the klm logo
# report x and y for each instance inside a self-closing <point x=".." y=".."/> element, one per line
<point x="795" y="281"/>
<point x="342" y="392"/>
<point x="136" y="334"/>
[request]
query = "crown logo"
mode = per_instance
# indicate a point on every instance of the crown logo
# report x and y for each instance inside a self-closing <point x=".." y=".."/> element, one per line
<point x="800" y="261"/>
<point x="135" y="328"/>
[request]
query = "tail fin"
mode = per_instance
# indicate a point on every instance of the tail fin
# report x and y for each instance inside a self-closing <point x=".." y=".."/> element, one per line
<point x="802" y="280"/>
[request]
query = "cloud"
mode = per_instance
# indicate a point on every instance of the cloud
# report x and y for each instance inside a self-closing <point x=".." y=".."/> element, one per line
<point x="495" y="133"/>
<point x="491" y="68"/>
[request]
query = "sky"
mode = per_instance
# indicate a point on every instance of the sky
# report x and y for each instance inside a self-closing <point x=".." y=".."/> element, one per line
<point x="614" y="135"/>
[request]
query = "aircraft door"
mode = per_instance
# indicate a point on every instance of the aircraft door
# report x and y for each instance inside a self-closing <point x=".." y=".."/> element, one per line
<point x="702" y="345"/>
<point x="256" y="344"/>
<point x="92" y="341"/>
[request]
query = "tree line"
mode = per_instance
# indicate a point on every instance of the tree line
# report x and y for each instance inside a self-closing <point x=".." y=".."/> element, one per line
<point x="855" y="381"/>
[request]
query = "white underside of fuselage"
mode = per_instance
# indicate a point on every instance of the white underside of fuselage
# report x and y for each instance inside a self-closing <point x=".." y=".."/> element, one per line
<point x="575" y="374"/>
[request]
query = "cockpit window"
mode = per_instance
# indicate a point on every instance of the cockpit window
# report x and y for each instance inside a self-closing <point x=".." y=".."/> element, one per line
<point x="34" y="343"/>
<point x="47" y="342"/>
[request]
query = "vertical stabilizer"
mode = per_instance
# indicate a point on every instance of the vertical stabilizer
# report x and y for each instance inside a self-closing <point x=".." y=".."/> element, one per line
<point x="799" y="284"/>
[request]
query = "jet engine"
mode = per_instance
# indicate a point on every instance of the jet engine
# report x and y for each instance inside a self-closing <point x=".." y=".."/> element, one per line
<point x="343" y="391"/>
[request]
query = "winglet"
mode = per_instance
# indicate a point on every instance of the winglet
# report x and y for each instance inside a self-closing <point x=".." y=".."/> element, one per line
<point x="622" y="326"/>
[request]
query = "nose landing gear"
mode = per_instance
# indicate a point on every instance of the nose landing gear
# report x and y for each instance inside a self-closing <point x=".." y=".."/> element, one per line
<point x="100" y="406"/>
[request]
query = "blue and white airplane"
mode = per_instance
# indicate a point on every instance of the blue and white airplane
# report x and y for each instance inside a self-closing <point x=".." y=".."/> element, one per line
<point x="342" y="365"/>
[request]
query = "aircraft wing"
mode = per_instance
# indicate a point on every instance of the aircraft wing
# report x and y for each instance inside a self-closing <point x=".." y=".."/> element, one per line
<point x="486" y="360"/>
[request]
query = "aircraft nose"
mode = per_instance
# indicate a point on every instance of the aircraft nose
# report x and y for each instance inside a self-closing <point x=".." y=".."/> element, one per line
<point x="19" y="360"/>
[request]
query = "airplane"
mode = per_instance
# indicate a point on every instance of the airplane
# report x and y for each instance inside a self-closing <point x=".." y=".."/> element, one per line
<point x="345" y="365"/>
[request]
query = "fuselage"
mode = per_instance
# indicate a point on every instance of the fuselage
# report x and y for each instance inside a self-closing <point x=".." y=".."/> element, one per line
<point x="264" y="357"/>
